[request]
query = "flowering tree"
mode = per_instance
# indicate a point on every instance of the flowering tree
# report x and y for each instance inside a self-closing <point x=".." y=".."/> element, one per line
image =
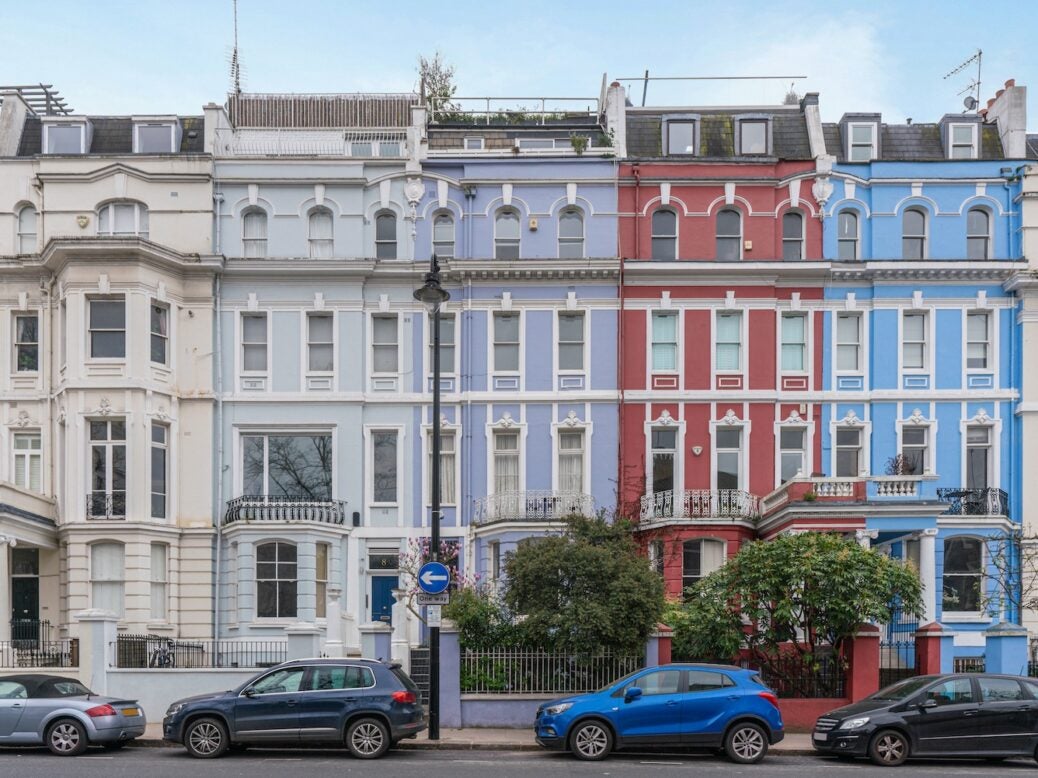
<point x="418" y="552"/>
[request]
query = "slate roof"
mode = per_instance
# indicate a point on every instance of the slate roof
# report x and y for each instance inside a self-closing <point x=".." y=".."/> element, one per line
<point x="913" y="142"/>
<point x="113" y="135"/>
<point x="1032" y="147"/>
<point x="717" y="135"/>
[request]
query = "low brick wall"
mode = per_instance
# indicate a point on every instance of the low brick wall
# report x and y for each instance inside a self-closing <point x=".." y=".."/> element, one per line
<point x="800" y="715"/>
<point x="497" y="710"/>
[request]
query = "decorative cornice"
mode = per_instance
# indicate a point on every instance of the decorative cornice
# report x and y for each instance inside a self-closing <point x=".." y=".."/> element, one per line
<point x="23" y="421"/>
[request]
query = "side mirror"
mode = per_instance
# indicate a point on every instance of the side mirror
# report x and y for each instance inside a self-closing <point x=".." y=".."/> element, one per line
<point x="632" y="694"/>
<point x="928" y="703"/>
<point x="250" y="693"/>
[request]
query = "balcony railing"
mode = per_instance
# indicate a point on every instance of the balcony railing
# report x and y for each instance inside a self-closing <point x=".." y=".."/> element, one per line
<point x="288" y="509"/>
<point x="700" y="504"/>
<point x="538" y="505"/>
<point x="975" y="502"/>
<point x="106" y="505"/>
<point x="897" y="485"/>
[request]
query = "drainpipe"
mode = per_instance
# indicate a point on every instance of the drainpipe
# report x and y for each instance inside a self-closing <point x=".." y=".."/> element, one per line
<point x="219" y="453"/>
<point x="621" y="410"/>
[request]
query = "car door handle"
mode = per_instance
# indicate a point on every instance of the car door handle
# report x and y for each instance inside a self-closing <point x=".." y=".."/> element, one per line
<point x="290" y="703"/>
<point x="733" y="696"/>
<point x="970" y="712"/>
<point x="672" y="702"/>
<point x="1024" y="707"/>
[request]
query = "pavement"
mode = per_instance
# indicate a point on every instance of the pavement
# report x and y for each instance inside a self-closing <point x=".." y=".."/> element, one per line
<point x="493" y="739"/>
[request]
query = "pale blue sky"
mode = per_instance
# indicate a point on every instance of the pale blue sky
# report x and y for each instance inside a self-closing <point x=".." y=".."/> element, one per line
<point x="165" y="56"/>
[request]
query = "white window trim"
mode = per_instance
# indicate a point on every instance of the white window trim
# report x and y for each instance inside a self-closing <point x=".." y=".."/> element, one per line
<point x="164" y="582"/>
<point x="240" y="335"/>
<point x="784" y="313"/>
<point x="427" y="367"/>
<point x="262" y="430"/>
<point x="572" y="424"/>
<point x="556" y="344"/>
<point x="767" y="135"/>
<point x="395" y="242"/>
<point x="701" y="538"/>
<point x="979" y="615"/>
<point x="372" y="374"/>
<point x="801" y="240"/>
<point x="809" y="440"/>
<point x="89" y="299"/>
<point x="171" y="126"/>
<point x="28" y="454"/>
<point x="304" y="362"/>
<point x="852" y="423"/>
<point x="994" y="426"/>
<point x="679" y="370"/>
<point x="521" y="372"/>
<point x="168" y="448"/>
<point x="27" y="313"/>
<point x="154" y="302"/>
<point x="744" y="453"/>
<point x="974" y="136"/>
<point x="743" y="344"/>
<point x="505" y="424"/>
<point x="81" y="125"/>
<point x="926" y="232"/>
<point x="256" y="210"/>
<point x="446" y="428"/>
<point x="480" y="140"/>
<point x="850" y="140"/>
<point x="369" y="454"/>
<point x="665" y="422"/>
<point x="863" y="343"/>
<point x="20" y="236"/>
<point x="110" y="206"/>
<point x="857" y="233"/>
<point x="993" y="344"/>
<point x="518" y="214"/>
<point x="583" y="230"/>
<point x="929" y="469"/>
<point x="742" y="232"/>
<point x="454" y="232"/>
<point x="928" y="353"/>
<point x="676" y="237"/>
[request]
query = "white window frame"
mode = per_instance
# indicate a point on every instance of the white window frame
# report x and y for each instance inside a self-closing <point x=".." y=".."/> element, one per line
<point x="986" y="237"/>
<point x="979" y="614"/>
<point x="116" y="579"/>
<point x="18" y="345"/>
<point x="447" y="431"/>
<point x="864" y="429"/>
<point x="800" y="240"/>
<point x="859" y="343"/>
<point x="266" y="432"/>
<point x="930" y="425"/>
<point x="873" y="143"/>
<point x="500" y="242"/>
<point x="994" y="427"/>
<point x="158" y="583"/>
<point x="278" y="616"/>
<point x="570" y="241"/>
<point x="370" y="433"/>
<point x="805" y="345"/>
<point x="90" y="330"/>
<point x="744" y="453"/>
<point x="474" y="143"/>
<point x="254" y="248"/>
<point x="163" y="445"/>
<point x="719" y="237"/>
<point x="453" y="372"/>
<point x="493" y="343"/>
<point x="80" y="125"/>
<point x="665" y="422"/>
<point x="109" y="444"/>
<point x="321" y="579"/>
<point x="141" y="219"/>
<point x="741" y="369"/>
<point x="171" y="126"/>
<point x="28" y="240"/>
<point x="855" y="241"/>
<point x="973" y="146"/>
<point x="373" y="344"/>
<point x="383" y="243"/>
<point x="925" y="237"/>
<point x="654" y="236"/>
<point x="989" y="341"/>
<point x="454" y="235"/>
<point x="702" y="574"/>
<point x="154" y="305"/>
<point x="320" y="243"/>
<point x="242" y="342"/>
<point x="927" y="343"/>
<point x="494" y="560"/>
<point x="806" y="453"/>
<point x="22" y="459"/>
<point x="308" y="316"/>
<point x="651" y="361"/>
<point x="519" y="455"/>
<point x="586" y="429"/>
<point x="585" y="316"/>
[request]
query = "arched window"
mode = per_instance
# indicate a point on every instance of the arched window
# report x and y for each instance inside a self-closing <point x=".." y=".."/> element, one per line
<point x="729" y="234"/>
<point x="385" y="235"/>
<point x="506" y="234"/>
<point x="27" y="230"/>
<point x="793" y="235"/>
<point x="322" y="243"/>
<point x="963" y="575"/>
<point x="700" y="557"/>
<point x="254" y="233"/>
<point x="443" y="236"/>
<point x="913" y="234"/>
<point x="571" y="233"/>
<point x="978" y="234"/>
<point x="106" y="577"/>
<point x="664" y="234"/>
<point x="276" y="580"/>
<point x="847" y="235"/>
<point x="123" y="219"/>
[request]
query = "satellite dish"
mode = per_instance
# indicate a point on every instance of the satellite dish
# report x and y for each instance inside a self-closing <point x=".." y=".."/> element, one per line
<point x="970" y="102"/>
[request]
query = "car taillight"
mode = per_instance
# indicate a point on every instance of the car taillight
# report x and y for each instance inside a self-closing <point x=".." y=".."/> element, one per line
<point x="404" y="698"/>
<point x="100" y="710"/>
<point x="769" y="697"/>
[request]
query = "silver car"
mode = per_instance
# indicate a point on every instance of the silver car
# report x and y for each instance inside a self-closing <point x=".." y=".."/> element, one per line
<point x="64" y="715"/>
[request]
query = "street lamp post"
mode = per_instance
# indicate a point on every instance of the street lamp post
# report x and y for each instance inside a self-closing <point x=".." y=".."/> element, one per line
<point x="433" y="296"/>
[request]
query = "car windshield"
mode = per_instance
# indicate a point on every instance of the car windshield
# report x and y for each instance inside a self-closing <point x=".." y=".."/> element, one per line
<point x="623" y="680"/>
<point x="902" y="689"/>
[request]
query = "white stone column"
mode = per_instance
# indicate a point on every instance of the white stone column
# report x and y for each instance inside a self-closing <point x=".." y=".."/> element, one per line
<point x="401" y="648"/>
<point x="928" y="573"/>
<point x="333" y="645"/>
<point x="865" y="537"/>
<point x="6" y="544"/>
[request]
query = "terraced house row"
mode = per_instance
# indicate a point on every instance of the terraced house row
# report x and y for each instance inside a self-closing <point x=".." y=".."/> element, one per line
<point x="724" y="323"/>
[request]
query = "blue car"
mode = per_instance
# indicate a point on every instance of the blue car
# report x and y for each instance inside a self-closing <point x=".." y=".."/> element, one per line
<point x="682" y="705"/>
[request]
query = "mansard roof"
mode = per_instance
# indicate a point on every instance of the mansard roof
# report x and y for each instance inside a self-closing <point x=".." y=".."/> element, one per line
<point x="1032" y="147"/>
<point x="912" y="142"/>
<point x="112" y="135"/>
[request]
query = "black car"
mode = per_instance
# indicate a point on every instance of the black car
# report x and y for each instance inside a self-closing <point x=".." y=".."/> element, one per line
<point x="364" y="704"/>
<point x="978" y="716"/>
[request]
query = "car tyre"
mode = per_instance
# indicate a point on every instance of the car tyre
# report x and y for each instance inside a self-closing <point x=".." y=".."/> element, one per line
<point x="206" y="738"/>
<point x="66" y="737"/>
<point x="746" y="743"/>
<point x="888" y="748"/>
<point x="591" y="741"/>
<point x="367" y="738"/>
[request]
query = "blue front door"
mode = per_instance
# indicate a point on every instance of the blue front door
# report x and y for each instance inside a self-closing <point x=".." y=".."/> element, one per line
<point x="382" y="587"/>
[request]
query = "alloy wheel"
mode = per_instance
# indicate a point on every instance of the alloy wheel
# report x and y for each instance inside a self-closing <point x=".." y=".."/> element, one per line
<point x="890" y="748"/>
<point x="205" y="738"/>
<point x="748" y="742"/>
<point x="367" y="738"/>
<point x="591" y="741"/>
<point x="65" y="738"/>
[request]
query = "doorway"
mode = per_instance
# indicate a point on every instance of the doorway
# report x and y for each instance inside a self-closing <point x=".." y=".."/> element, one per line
<point x="382" y="587"/>
<point x="26" y="629"/>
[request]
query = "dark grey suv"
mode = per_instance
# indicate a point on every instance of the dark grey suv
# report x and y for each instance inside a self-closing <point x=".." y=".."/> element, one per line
<point x="364" y="704"/>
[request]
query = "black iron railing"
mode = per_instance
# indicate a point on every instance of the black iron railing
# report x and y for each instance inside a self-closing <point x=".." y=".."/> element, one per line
<point x="40" y="653"/>
<point x="106" y="505"/>
<point x="27" y="633"/>
<point x="969" y="664"/>
<point x="975" y="502"/>
<point x="157" y="651"/>
<point x="798" y="678"/>
<point x="290" y="509"/>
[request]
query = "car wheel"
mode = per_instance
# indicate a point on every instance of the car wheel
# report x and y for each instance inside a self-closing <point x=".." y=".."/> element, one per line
<point x="746" y="743"/>
<point x="367" y="738"/>
<point x="591" y="741"/>
<point x="66" y="737"/>
<point x="206" y="738"/>
<point x="888" y="748"/>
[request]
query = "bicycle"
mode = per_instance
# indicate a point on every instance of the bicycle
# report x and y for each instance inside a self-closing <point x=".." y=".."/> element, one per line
<point x="164" y="655"/>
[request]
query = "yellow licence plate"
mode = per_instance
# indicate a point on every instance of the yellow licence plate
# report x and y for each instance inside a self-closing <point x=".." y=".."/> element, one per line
<point x="131" y="711"/>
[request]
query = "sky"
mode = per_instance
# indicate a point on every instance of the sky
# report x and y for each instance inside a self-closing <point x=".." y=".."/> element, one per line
<point x="171" y="56"/>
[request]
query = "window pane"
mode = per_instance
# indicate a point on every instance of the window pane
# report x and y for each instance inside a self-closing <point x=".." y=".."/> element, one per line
<point x="962" y="133"/>
<point x="914" y="222"/>
<point x="299" y="467"/>
<point x="681" y="138"/>
<point x="384" y="329"/>
<point x="848" y="225"/>
<point x="664" y="248"/>
<point x="64" y="140"/>
<point x="385" y="227"/>
<point x="727" y="470"/>
<point x="255" y="225"/>
<point x="321" y="225"/>
<point x="254" y="329"/>
<point x="729" y="438"/>
<point x="507" y="225"/>
<point x="384" y="475"/>
<point x="754" y="137"/>
<point x="443" y="228"/>
<point x="659" y="682"/>
<point x="107" y="314"/>
<point x="847" y="465"/>
<point x="571" y="224"/>
<point x="320" y="328"/>
<point x="861" y="133"/>
<point x="571" y="327"/>
<point x="729" y="223"/>
<point x="152" y="139"/>
<point x="977" y="222"/>
<point x="662" y="472"/>
<point x="791" y="439"/>
<point x="793" y="226"/>
<point x="914" y="327"/>
<point x="976" y="248"/>
<point x="664" y="223"/>
<point x="664" y="439"/>
<point x="108" y="345"/>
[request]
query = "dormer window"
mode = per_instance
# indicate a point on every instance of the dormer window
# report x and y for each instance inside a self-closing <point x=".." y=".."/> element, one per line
<point x="753" y="136"/>
<point x="962" y="141"/>
<point x="862" y="147"/>
<point x="65" y="138"/>
<point x="474" y="144"/>
<point x="536" y="143"/>
<point x="681" y="137"/>
<point x="155" y="137"/>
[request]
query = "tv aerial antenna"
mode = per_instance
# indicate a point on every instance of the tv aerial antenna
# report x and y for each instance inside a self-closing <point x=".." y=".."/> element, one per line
<point x="972" y="89"/>
<point x="234" y="59"/>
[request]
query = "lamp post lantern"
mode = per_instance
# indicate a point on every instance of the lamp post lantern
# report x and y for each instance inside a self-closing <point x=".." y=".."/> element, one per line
<point x="433" y="296"/>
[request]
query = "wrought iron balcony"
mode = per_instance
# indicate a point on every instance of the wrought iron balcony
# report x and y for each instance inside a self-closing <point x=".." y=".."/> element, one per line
<point x="702" y="504"/>
<point x="536" y="505"/>
<point x="287" y="509"/>
<point x="106" y="505"/>
<point x="975" y="502"/>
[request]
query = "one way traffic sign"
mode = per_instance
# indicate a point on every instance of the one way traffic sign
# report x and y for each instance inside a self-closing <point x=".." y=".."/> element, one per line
<point x="434" y="577"/>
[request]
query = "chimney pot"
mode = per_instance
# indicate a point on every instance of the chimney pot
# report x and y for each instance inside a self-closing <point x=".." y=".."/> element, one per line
<point x="1010" y="83"/>
<point x="615" y="83"/>
<point x="991" y="102"/>
<point x="999" y="93"/>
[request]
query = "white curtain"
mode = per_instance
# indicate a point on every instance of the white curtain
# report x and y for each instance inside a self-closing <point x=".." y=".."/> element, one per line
<point x="321" y="234"/>
<point x="664" y="342"/>
<point x="729" y="334"/>
<point x="712" y="556"/>
<point x="158" y="581"/>
<point x="571" y="462"/>
<point x="447" y="469"/>
<point x="106" y="574"/>
<point x="793" y="341"/>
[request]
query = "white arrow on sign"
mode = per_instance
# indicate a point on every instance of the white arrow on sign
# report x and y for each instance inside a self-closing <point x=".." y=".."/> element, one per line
<point x="428" y="578"/>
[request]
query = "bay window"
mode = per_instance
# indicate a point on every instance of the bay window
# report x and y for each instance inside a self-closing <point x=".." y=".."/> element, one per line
<point x="294" y="467"/>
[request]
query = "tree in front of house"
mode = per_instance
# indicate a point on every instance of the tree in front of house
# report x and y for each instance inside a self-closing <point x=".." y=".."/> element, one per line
<point x="794" y="603"/>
